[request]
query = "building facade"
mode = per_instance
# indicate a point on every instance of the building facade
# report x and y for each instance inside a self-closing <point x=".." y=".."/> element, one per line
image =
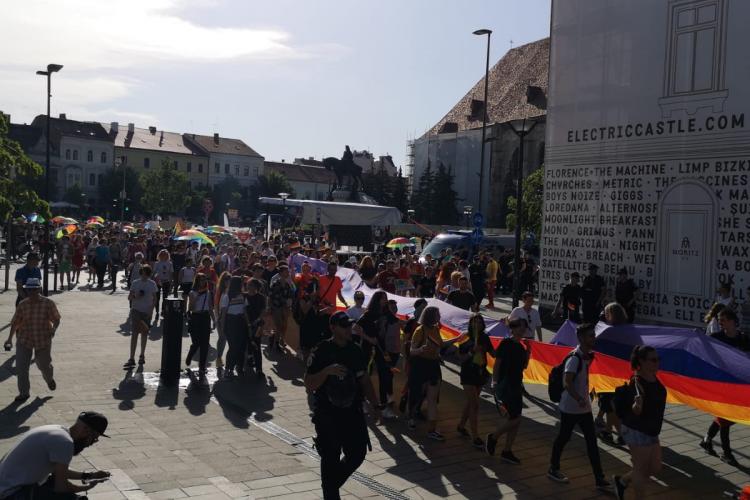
<point x="309" y="182"/>
<point x="227" y="158"/>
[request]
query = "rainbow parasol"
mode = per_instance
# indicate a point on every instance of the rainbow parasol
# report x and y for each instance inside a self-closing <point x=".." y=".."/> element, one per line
<point x="95" y="218"/>
<point x="193" y="235"/>
<point x="215" y="229"/>
<point x="399" y="243"/>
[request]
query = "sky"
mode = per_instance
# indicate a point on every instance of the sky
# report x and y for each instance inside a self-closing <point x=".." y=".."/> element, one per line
<point x="291" y="78"/>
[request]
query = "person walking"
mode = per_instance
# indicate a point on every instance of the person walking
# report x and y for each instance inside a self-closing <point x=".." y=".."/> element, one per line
<point x="593" y="290"/>
<point x="37" y="466"/>
<point x="35" y="323"/>
<point x="142" y="299"/>
<point x="473" y="357"/>
<point x="102" y="260"/>
<point x="337" y="376"/>
<point x="511" y="359"/>
<point x="575" y="408"/>
<point x="163" y="273"/>
<point x="116" y="254"/>
<point x="233" y="317"/>
<point x="23" y="273"/>
<point x="528" y="313"/>
<point x="280" y="302"/>
<point x="569" y="304"/>
<point x="200" y="317"/>
<point x="730" y="335"/>
<point x="641" y="422"/>
<point x="257" y="303"/>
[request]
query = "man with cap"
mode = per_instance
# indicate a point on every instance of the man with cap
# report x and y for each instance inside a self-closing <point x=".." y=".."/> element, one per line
<point x="35" y="322"/>
<point x="337" y="376"/>
<point x="37" y="465"/>
<point x="23" y="273"/>
<point x="594" y="289"/>
<point x="625" y="290"/>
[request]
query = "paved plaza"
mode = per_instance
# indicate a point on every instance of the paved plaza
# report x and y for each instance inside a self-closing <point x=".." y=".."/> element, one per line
<point x="246" y="438"/>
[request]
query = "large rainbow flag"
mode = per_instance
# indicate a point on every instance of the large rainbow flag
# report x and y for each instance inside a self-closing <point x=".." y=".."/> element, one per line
<point x="696" y="370"/>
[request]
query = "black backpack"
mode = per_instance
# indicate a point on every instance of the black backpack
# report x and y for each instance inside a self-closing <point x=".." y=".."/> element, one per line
<point x="555" y="385"/>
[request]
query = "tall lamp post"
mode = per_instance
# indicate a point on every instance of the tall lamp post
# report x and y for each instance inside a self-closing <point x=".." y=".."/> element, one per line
<point x="283" y="197"/>
<point x="482" y="32"/>
<point x="467" y="213"/>
<point x="51" y="68"/>
<point x="521" y="128"/>
<point x="120" y="162"/>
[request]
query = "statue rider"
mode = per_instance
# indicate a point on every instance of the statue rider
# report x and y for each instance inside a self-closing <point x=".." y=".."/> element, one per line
<point x="347" y="160"/>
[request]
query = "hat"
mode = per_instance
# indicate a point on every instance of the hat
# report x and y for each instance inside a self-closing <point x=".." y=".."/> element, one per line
<point x="340" y="319"/>
<point x="33" y="283"/>
<point x="622" y="271"/>
<point x="95" y="420"/>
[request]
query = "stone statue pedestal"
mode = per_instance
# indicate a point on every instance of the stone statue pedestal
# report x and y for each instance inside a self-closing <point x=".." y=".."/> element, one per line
<point x="345" y="196"/>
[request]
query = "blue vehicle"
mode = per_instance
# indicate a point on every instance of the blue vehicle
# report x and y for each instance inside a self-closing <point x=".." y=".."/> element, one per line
<point x="465" y="241"/>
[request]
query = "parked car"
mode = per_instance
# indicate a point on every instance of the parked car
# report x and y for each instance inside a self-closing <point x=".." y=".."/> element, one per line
<point x="462" y="241"/>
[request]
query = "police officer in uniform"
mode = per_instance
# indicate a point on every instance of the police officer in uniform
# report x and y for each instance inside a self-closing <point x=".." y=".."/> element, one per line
<point x="337" y="376"/>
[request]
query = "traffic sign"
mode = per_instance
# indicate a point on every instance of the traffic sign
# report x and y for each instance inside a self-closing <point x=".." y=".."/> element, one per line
<point x="478" y="219"/>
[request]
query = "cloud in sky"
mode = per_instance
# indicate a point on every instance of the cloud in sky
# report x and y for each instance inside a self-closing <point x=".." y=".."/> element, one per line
<point x="100" y="41"/>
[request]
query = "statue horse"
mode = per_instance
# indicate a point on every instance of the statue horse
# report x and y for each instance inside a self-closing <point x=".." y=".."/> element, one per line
<point x="342" y="169"/>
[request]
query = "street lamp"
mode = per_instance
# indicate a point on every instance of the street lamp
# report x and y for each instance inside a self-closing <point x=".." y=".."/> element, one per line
<point x="482" y="32"/>
<point x="120" y="162"/>
<point x="467" y="213"/>
<point x="411" y="213"/>
<point x="283" y="197"/>
<point x="521" y="128"/>
<point x="51" y="68"/>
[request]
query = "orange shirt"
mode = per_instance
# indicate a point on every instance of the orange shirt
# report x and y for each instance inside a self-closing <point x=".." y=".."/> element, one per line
<point x="330" y="289"/>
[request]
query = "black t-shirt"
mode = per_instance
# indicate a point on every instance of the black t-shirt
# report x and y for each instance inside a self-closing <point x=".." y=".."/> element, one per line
<point x="427" y="287"/>
<point x="654" y="401"/>
<point x="268" y="274"/>
<point x="512" y="357"/>
<point x="463" y="299"/>
<point x="468" y="347"/>
<point x="592" y="288"/>
<point x="477" y="273"/>
<point x="571" y="297"/>
<point x="625" y="291"/>
<point x="740" y="341"/>
<point x="338" y="394"/>
<point x="255" y="305"/>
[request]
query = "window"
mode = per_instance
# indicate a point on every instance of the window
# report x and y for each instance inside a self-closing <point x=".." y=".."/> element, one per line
<point x="103" y="158"/>
<point x="90" y="156"/>
<point x="176" y="165"/>
<point x="237" y="170"/>
<point x="255" y="171"/>
<point x="67" y="154"/>
<point x="92" y="179"/>
<point x="189" y="167"/>
<point x="200" y="168"/>
<point x="75" y="154"/>
<point x="247" y="171"/>
<point x="217" y="168"/>
<point x="226" y="168"/>
<point x="146" y="163"/>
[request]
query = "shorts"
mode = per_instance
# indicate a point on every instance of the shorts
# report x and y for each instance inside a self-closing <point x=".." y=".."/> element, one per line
<point x="473" y="374"/>
<point x="633" y="437"/>
<point x="426" y="371"/>
<point x="140" y="316"/>
<point x="511" y="398"/>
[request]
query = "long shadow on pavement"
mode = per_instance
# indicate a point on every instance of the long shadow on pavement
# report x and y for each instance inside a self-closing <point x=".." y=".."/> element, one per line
<point x="13" y="415"/>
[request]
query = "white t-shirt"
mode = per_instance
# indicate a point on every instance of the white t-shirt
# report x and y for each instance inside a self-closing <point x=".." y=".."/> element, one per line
<point x="163" y="271"/>
<point x="580" y="384"/>
<point x="188" y="274"/>
<point x="531" y="317"/>
<point x="202" y="301"/>
<point x="235" y="308"/>
<point x="143" y="295"/>
<point x="32" y="458"/>
<point x="355" y="312"/>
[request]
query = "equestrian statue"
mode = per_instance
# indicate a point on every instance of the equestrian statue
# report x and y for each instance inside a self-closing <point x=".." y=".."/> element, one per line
<point x="345" y="167"/>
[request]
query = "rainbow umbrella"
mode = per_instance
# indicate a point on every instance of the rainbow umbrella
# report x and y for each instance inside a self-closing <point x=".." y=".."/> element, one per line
<point x="193" y="235"/>
<point x="128" y="229"/>
<point x="215" y="229"/>
<point x="94" y="225"/>
<point x="399" y="243"/>
<point x="96" y="218"/>
<point x="66" y="231"/>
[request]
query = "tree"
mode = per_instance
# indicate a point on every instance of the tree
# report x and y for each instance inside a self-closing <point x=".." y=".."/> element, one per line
<point x="111" y="185"/>
<point x="533" y="197"/>
<point x="421" y="198"/>
<point x="165" y="190"/>
<point x="273" y="183"/>
<point x="14" y="163"/>
<point x="399" y="192"/>
<point x="444" y="197"/>
<point x="229" y="191"/>
<point x="74" y="195"/>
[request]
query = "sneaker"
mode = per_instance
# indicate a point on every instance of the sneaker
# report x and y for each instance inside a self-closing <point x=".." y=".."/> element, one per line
<point x="556" y="475"/>
<point x="619" y="487"/>
<point x="708" y="446"/>
<point x="462" y="431"/>
<point x="509" y="457"/>
<point x="728" y="458"/>
<point x="412" y="424"/>
<point x="478" y="444"/>
<point x="435" y="435"/>
<point x="52" y="384"/>
<point x="489" y="444"/>
<point x="388" y="413"/>
<point x="129" y="363"/>
<point x="603" y="485"/>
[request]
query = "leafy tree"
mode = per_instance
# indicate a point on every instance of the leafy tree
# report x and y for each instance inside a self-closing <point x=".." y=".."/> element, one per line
<point x="165" y="190"/>
<point x="111" y="185"/>
<point x="229" y="191"/>
<point x="273" y="183"/>
<point x="444" y="197"/>
<point x="74" y="195"/>
<point x="422" y="196"/>
<point x="400" y="192"/>
<point x="14" y="163"/>
<point x="533" y="196"/>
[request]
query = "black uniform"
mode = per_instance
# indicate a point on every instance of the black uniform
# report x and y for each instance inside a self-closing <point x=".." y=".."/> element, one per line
<point x="624" y="293"/>
<point x="570" y="297"/>
<point x="592" y="290"/>
<point x="339" y="421"/>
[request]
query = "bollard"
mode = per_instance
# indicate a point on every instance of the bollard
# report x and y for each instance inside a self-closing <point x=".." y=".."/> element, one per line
<point x="54" y="286"/>
<point x="171" y="341"/>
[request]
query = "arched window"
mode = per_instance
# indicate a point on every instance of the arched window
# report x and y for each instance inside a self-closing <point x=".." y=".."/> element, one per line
<point x="67" y="154"/>
<point x="90" y="156"/>
<point x="75" y="154"/>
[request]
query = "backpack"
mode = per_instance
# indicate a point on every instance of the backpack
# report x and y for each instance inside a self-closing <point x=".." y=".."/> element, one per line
<point x="555" y="385"/>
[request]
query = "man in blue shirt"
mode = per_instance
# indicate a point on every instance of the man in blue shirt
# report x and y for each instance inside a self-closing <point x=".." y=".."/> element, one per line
<point x="30" y="270"/>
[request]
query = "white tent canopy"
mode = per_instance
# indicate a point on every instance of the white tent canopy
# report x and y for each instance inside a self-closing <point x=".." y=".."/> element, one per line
<point x="340" y="214"/>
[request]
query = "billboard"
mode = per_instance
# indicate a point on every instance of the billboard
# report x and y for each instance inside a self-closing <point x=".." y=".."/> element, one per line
<point x="648" y="150"/>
